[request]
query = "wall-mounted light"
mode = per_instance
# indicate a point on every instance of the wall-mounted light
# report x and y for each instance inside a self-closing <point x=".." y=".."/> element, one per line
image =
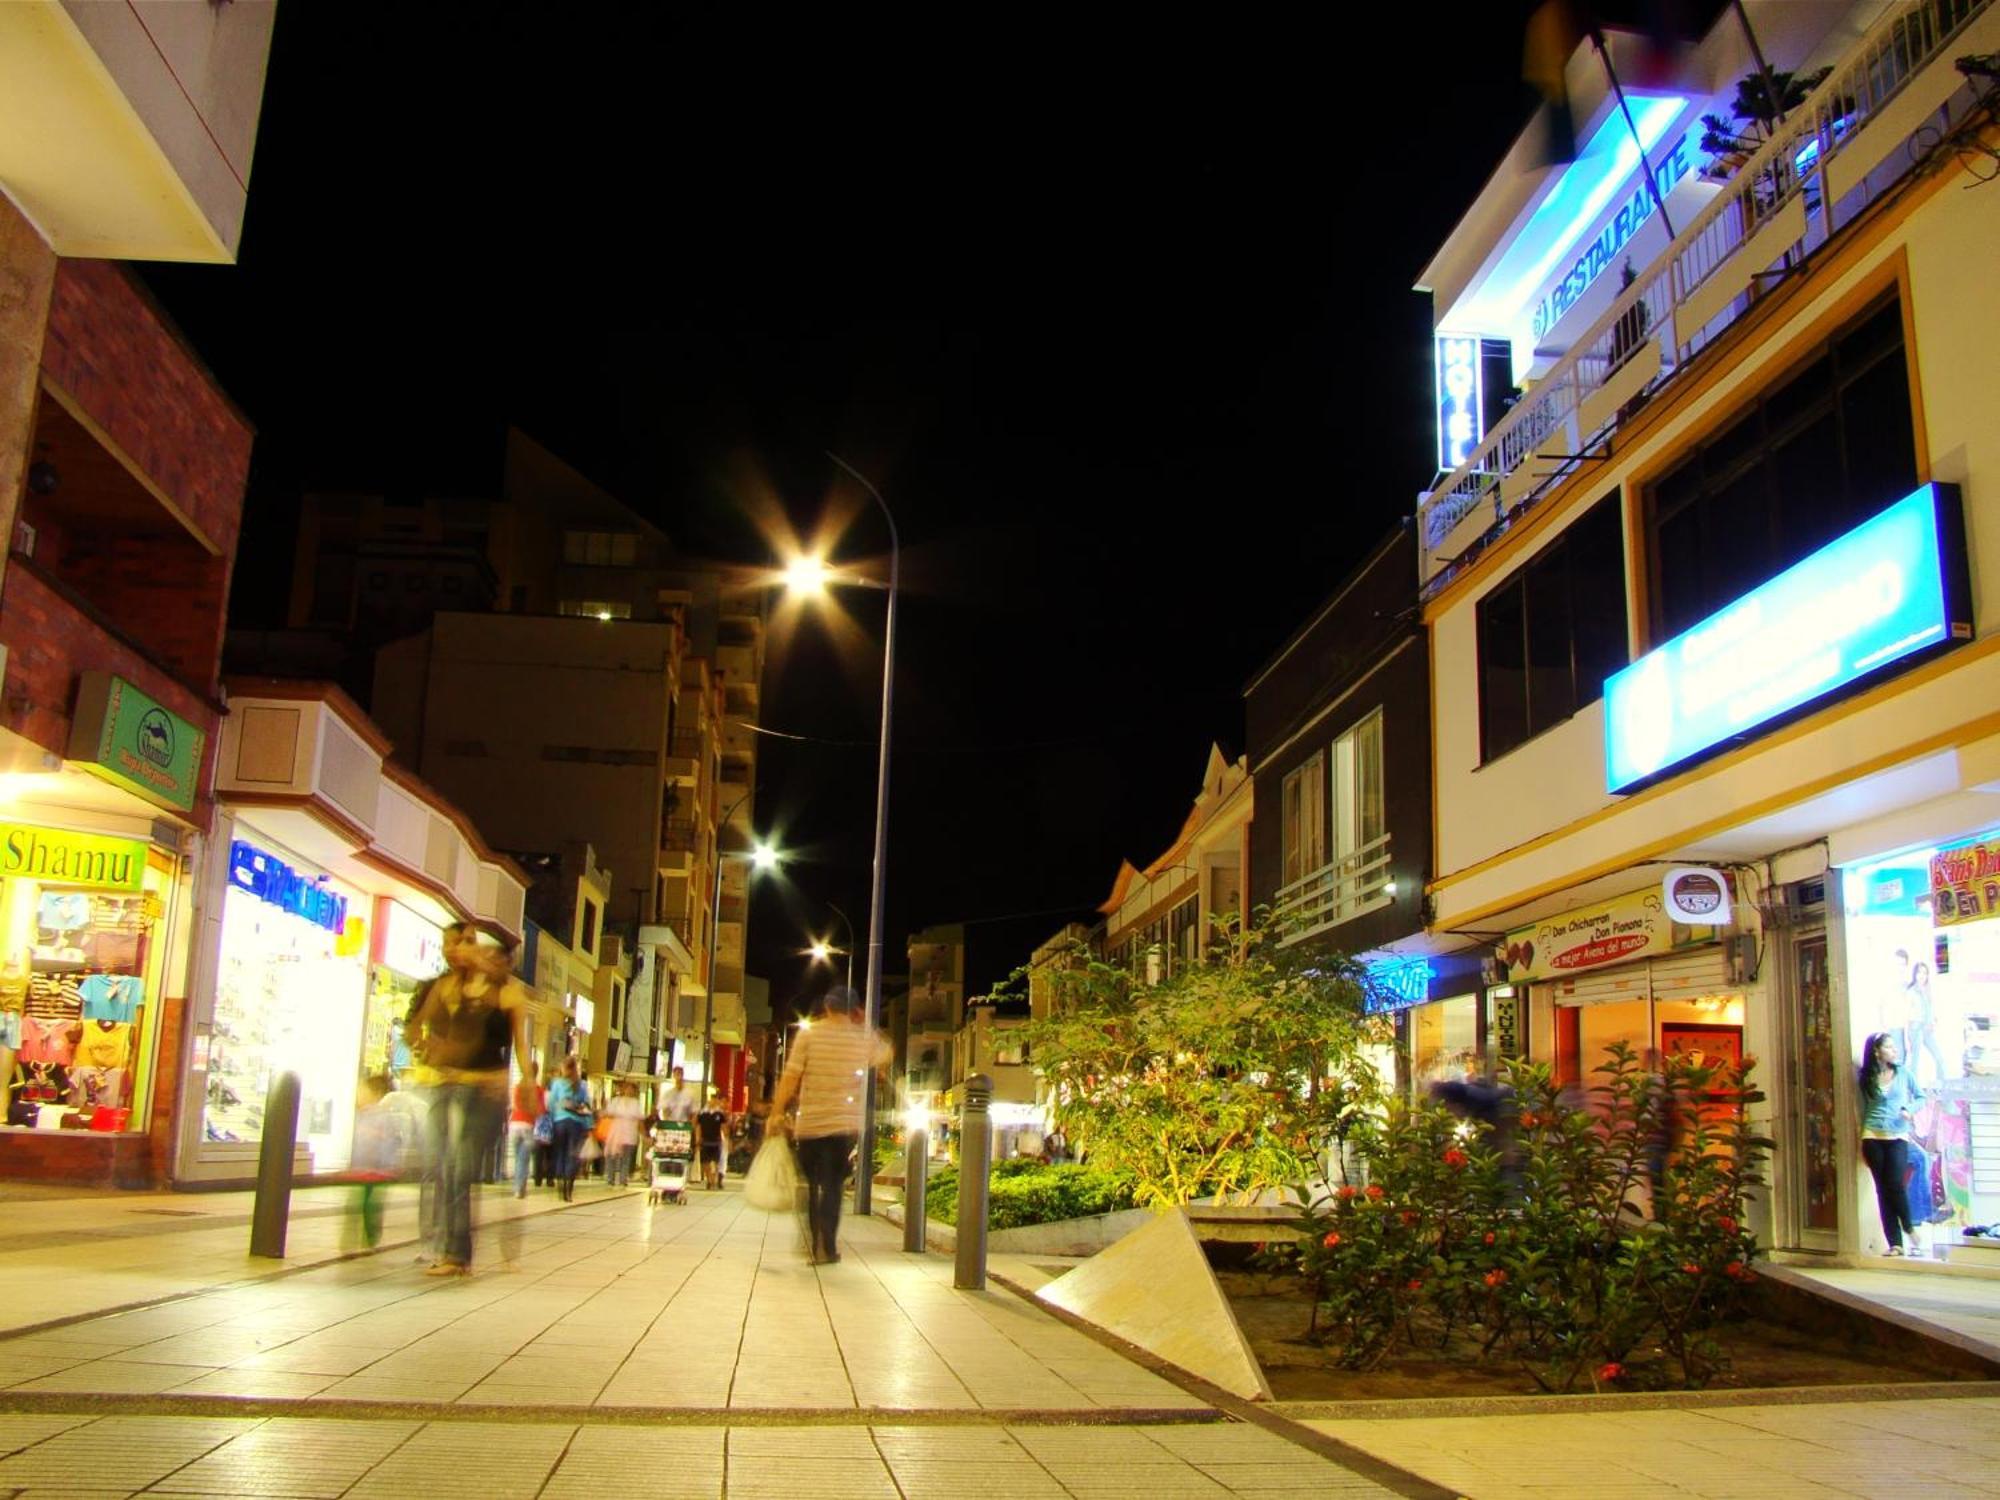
<point x="1389" y="889"/>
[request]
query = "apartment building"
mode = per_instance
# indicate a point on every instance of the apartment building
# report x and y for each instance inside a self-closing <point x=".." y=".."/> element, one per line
<point x="1711" y="607"/>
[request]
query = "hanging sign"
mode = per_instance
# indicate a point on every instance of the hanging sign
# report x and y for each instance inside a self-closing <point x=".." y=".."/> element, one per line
<point x="1965" y="882"/>
<point x="1611" y="932"/>
<point x="1460" y="400"/>
<point x="125" y="737"/>
<point x="1698" y="897"/>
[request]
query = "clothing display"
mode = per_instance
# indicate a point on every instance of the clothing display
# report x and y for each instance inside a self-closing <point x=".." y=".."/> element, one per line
<point x="10" y="1030"/>
<point x="104" y="1044"/>
<point x="48" y="1041"/>
<point x="112" y="997"/>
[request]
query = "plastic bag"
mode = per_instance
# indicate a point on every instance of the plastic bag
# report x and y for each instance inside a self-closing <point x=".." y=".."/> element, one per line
<point x="773" y="1183"/>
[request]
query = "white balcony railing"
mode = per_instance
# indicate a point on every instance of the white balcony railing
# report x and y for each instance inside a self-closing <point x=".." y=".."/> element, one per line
<point x="1334" y="893"/>
<point x="1883" y="111"/>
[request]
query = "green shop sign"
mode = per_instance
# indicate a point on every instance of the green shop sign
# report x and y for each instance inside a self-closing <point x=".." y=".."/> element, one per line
<point x="56" y="854"/>
<point x="127" y="738"/>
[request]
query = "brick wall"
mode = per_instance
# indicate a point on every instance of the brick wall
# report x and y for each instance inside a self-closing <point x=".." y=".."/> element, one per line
<point x="172" y="595"/>
<point x="116" y="355"/>
<point x="50" y="643"/>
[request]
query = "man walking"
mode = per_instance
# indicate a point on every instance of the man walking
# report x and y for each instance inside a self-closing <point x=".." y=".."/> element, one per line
<point x="826" y="1075"/>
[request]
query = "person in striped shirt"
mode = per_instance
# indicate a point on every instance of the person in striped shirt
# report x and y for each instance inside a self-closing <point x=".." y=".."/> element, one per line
<point x="825" y="1077"/>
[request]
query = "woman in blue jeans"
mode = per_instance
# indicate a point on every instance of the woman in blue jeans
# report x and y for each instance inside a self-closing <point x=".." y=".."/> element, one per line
<point x="1889" y="1099"/>
<point x="569" y="1107"/>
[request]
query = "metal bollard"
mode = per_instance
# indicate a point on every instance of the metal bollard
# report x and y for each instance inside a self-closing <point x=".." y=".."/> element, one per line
<point x="916" y="1171"/>
<point x="975" y="1153"/>
<point x="270" y="1214"/>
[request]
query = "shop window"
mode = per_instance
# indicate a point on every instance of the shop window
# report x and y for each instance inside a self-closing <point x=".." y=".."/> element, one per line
<point x="1805" y="462"/>
<point x="1553" y="631"/>
<point x="1302" y="821"/>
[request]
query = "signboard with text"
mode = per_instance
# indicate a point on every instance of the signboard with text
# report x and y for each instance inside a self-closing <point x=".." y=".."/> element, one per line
<point x="1591" y="937"/>
<point x="125" y="737"/>
<point x="1965" y="882"/>
<point x="1890" y="589"/>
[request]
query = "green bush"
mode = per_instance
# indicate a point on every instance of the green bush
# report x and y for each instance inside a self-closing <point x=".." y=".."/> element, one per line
<point x="1526" y="1242"/>
<point x="1022" y="1192"/>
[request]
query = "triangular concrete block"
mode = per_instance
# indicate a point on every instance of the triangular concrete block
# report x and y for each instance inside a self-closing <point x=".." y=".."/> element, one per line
<point x="1154" y="1288"/>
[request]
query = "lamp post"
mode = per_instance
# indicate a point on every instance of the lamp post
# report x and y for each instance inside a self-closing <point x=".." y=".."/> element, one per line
<point x="761" y="857"/>
<point x="823" y="951"/>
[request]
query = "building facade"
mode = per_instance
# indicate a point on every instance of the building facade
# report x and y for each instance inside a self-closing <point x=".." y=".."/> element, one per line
<point x="1711" y="610"/>
<point x="1169" y="912"/>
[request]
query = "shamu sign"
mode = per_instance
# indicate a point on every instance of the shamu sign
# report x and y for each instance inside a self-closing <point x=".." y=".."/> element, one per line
<point x="269" y="878"/>
<point x="1889" y="590"/>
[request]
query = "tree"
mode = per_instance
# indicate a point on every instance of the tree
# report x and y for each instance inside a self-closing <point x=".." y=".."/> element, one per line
<point x="1240" y="1072"/>
<point x="1729" y="144"/>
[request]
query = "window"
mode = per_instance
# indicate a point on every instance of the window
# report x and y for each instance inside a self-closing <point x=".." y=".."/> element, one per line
<point x="1302" y="821"/>
<point x="1184" y="933"/>
<point x="600" y="549"/>
<point x="596" y="609"/>
<point x="1551" y="634"/>
<point x="617" y="1009"/>
<point x="587" y="942"/>
<point x="1359" y="817"/>
<point x="1810" y="459"/>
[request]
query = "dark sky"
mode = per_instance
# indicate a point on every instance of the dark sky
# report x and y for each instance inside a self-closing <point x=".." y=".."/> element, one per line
<point x="1118" y="318"/>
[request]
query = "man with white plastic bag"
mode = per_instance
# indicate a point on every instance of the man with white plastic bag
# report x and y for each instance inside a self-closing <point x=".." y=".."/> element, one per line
<point x="826" y="1075"/>
<point x="773" y="1181"/>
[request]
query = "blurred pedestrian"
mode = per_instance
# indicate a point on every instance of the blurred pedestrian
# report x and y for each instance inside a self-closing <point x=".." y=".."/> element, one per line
<point x="569" y="1107"/>
<point x="825" y="1076"/>
<point x="680" y="1103"/>
<point x="711" y="1139"/>
<point x="622" y="1139"/>
<point x="468" y="1019"/>
<point x="1889" y="1099"/>
<point x="377" y="1158"/>
<point x="421" y="1080"/>
<point x="527" y="1109"/>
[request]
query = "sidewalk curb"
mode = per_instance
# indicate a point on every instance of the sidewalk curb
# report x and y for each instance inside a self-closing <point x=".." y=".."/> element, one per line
<point x="275" y="1274"/>
<point x="1584" y="1403"/>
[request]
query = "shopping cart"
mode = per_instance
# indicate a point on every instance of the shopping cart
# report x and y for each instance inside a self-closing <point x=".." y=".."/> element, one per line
<point x="673" y="1148"/>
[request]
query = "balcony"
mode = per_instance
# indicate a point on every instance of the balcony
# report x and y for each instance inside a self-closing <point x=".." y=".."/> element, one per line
<point x="1334" y="893"/>
<point x="1885" y="110"/>
<point x="680" y="844"/>
<point x="684" y="758"/>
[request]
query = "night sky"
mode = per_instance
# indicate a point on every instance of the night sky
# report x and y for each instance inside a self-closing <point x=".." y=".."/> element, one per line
<point x="1118" y="319"/>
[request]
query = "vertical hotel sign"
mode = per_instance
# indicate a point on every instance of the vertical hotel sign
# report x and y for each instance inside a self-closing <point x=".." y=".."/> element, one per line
<point x="1965" y="882"/>
<point x="1461" y="402"/>
<point x="125" y="737"/>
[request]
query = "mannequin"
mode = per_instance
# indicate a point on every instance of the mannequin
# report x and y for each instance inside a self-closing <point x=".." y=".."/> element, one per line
<point x="13" y="1001"/>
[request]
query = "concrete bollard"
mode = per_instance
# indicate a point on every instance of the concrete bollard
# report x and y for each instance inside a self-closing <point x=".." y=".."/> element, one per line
<point x="916" y="1172"/>
<point x="270" y="1215"/>
<point x="975" y="1154"/>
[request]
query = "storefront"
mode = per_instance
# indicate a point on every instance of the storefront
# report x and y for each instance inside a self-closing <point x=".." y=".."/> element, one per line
<point x="1921" y="940"/>
<point x="1440" y="1021"/>
<point x="408" y="952"/>
<point x="84" y="918"/>
<point x="1627" y="971"/>
<point x="292" y="982"/>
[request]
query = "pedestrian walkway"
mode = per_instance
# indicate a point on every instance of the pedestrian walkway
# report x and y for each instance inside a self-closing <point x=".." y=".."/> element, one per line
<point x="116" y="1249"/>
<point x="1881" y="1450"/>
<point x="1965" y="1304"/>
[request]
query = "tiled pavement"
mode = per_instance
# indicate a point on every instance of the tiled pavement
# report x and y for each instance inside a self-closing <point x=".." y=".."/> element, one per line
<point x="1880" y="1450"/>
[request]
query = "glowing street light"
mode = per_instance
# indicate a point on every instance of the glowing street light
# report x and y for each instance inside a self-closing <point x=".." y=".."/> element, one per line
<point x="764" y="857"/>
<point x="806" y="576"/>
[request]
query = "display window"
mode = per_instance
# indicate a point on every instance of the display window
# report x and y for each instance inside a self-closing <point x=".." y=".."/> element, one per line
<point x="290" y="991"/>
<point x="1444" y="1042"/>
<point x="80" y="977"/>
<point x="1923" y="967"/>
<point x="409" y="953"/>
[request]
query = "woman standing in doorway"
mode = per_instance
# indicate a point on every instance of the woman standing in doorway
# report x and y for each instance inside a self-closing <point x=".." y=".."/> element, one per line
<point x="1889" y="1099"/>
<point x="569" y="1107"/>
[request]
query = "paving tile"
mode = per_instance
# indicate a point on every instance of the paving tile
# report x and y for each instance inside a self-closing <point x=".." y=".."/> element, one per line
<point x="127" y="1452"/>
<point x="114" y="1377"/>
<point x="311" y="1457"/>
<point x="22" y="1429"/>
<point x="268" y="1383"/>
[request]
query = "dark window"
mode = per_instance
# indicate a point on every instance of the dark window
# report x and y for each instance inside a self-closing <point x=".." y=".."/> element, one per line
<point x="1808" y="461"/>
<point x="1551" y="634"/>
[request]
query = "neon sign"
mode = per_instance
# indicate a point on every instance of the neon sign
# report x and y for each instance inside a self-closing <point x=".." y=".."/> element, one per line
<point x="1596" y="257"/>
<point x="1397" y="983"/>
<point x="1893" y="587"/>
<point x="1461" y="400"/>
<point x="269" y="878"/>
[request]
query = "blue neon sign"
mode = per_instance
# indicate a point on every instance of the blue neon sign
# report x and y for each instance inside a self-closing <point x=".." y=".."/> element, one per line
<point x="1461" y="396"/>
<point x="1396" y="984"/>
<point x="1886" y="591"/>
<point x="269" y="878"/>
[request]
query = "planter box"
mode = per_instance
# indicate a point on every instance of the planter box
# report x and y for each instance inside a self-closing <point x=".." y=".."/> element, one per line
<point x="1069" y="1237"/>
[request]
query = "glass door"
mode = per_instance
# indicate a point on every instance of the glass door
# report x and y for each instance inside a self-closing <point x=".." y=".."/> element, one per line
<point x="1813" y="1202"/>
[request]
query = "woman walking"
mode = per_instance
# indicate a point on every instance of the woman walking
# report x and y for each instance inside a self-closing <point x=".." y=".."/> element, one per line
<point x="623" y="1137"/>
<point x="461" y="1031"/>
<point x="521" y="1123"/>
<point x="1889" y="1099"/>
<point x="569" y="1105"/>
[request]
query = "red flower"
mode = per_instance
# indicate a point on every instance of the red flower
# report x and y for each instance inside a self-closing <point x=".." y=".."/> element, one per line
<point x="1726" y="1224"/>
<point x="1374" y="1191"/>
<point x="1691" y="1268"/>
<point x="1260" y="1247"/>
<point x="1611" y="1371"/>
<point x="1410" y="1216"/>
<point x="1736" y="1271"/>
<point x="1331" y="1240"/>
<point x="1346" y="1192"/>
<point x="1454" y="1157"/>
<point x="1415" y="1286"/>
<point x="1494" y="1278"/>
<point x="1530" y="1121"/>
<point x="1489" y="1236"/>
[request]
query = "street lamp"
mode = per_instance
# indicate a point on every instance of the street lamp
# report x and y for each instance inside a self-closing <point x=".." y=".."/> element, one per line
<point x="763" y="858"/>
<point x="822" y="951"/>
<point x="810" y="576"/>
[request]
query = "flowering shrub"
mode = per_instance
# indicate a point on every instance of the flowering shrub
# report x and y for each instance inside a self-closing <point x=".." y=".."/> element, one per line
<point x="1528" y="1239"/>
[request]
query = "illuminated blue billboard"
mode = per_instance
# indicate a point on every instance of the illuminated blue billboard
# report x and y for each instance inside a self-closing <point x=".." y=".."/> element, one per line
<point x="1889" y="590"/>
